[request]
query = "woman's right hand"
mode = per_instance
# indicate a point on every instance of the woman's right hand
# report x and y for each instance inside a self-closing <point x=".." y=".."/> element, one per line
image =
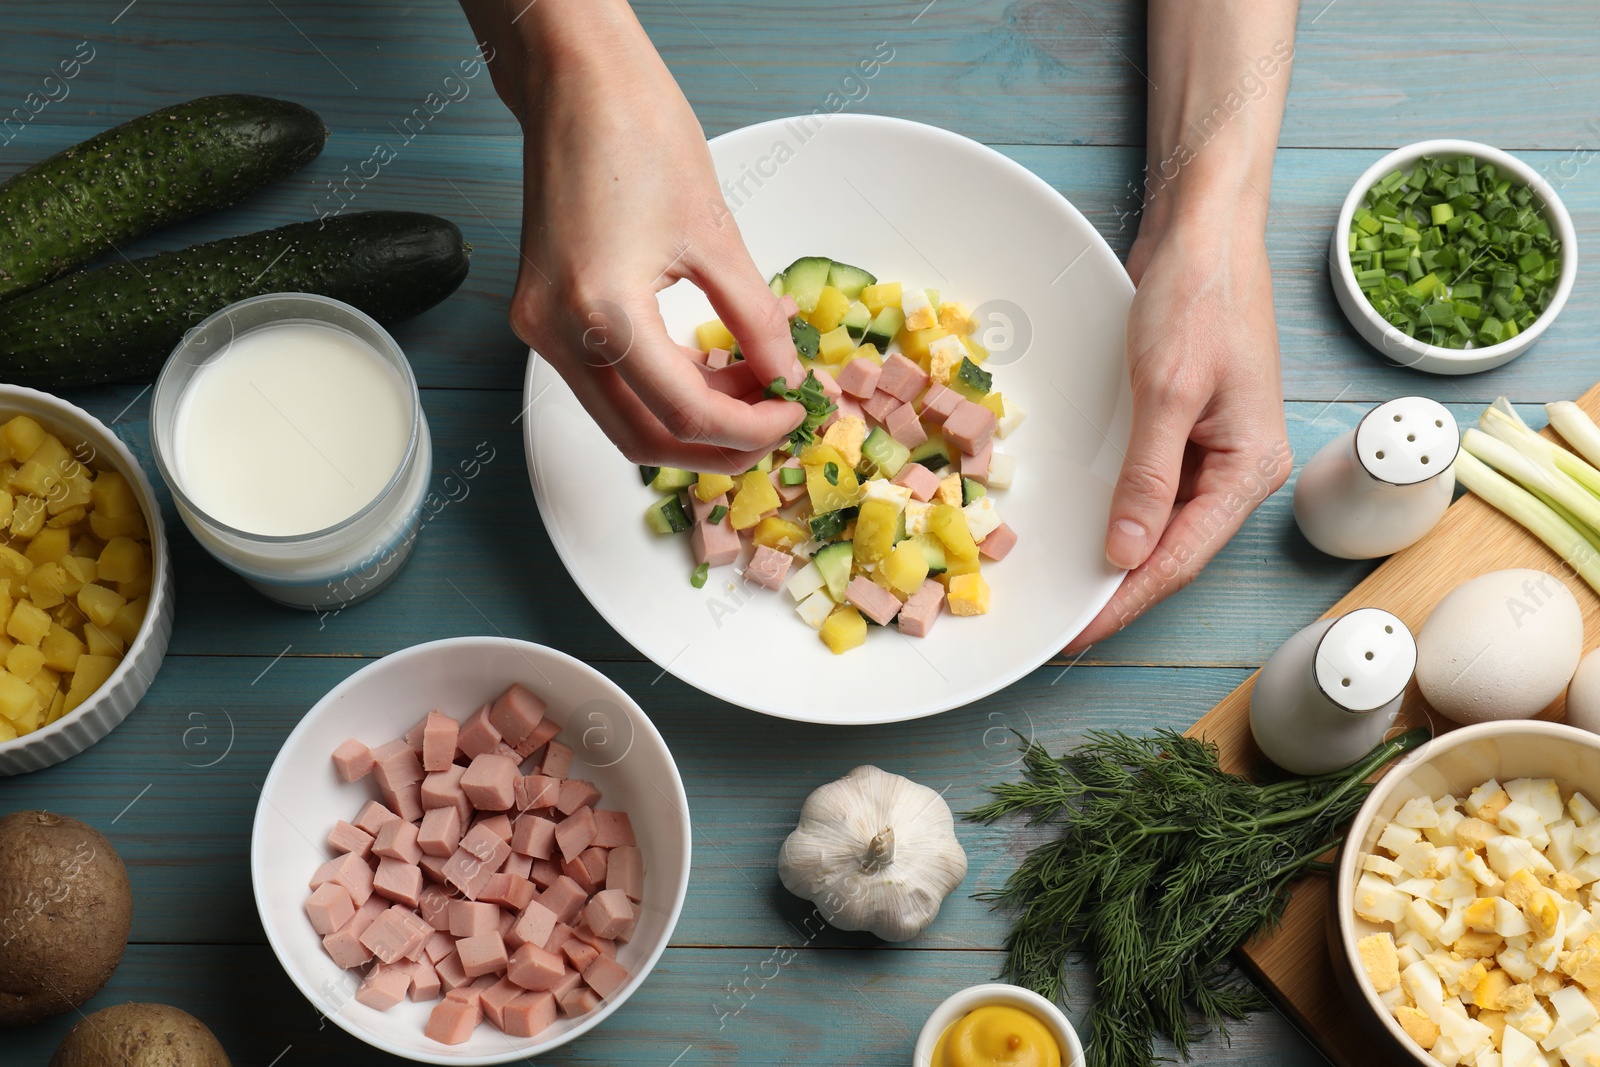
<point x="620" y="201"/>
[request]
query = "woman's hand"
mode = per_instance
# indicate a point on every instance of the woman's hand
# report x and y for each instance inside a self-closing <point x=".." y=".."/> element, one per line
<point x="621" y="201"/>
<point x="1208" y="442"/>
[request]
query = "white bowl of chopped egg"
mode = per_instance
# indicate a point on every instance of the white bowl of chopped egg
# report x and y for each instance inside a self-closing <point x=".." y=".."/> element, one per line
<point x="1468" y="904"/>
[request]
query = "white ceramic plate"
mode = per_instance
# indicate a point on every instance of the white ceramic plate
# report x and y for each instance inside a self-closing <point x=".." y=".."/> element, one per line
<point x="928" y="208"/>
<point x="616" y="747"/>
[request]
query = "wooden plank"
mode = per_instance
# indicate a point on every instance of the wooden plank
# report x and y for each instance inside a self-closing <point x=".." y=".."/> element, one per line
<point x="817" y="1007"/>
<point x="204" y="737"/>
<point x="1014" y="71"/>
<point x="1473" y="538"/>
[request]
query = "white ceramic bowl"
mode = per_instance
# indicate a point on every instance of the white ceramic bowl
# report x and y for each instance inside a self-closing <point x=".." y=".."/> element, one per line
<point x="1456" y="762"/>
<point x="1394" y="345"/>
<point x="617" y="748"/>
<point x="941" y="211"/>
<point x="111" y="703"/>
<point x="978" y="996"/>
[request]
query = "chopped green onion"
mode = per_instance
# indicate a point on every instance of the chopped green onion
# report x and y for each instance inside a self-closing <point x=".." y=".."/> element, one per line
<point x="1435" y="248"/>
<point x="830" y="471"/>
<point x="716" y="514"/>
<point x="698" y="578"/>
<point x="791" y="476"/>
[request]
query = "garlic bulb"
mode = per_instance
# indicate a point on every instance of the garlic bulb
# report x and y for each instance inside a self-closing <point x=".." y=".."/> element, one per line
<point x="876" y="852"/>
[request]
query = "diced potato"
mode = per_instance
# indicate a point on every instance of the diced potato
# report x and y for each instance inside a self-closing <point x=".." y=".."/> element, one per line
<point x="830" y="309"/>
<point x="865" y="352"/>
<point x="112" y="497"/>
<point x="905" y="570"/>
<point x="53" y="453"/>
<point x="836" y="346"/>
<point x="880" y="296"/>
<point x="22" y="437"/>
<point x="875" y="529"/>
<point x="755" y="497"/>
<point x="91" y="674"/>
<point x="103" y="641"/>
<point x="6" y="502"/>
<point x="101" y="604"/>
<point x="66" y="520"/>
<point x="139" y="587"/>
<point x="28" y="623"/>
<point x="17" y="699"/>
<point x="995" y="403"/>
<point x="106" y="527"/>
<point x="843" y="630"/>
<point x="27" y="517"/>
<point x="975" y="352"/>
<point x="708" y="488"/>
<point x="48" y="585"/>
<point x="88" y="546"/>
<point x="14" y="566"/>
<point x="47" y="683"/>
<point x="914" y="343"/>
<point x="75" y="492"/>
<point x="49" y="546"/>
<point x="825" y="496"/>
<point x="24" y="661"/>
<point x="969" y="595"/>
<point x="7" y="731"/>
<point x="129" y="618"/>
<point x="83" y="571"/>
<point x="67" y="615"/>
<point x="713" y="334"/>
<point x="61" y="648"/>
<point x="779" y="534"/>
<point x="949" y="525"/>
<point x="58" y="708"/>
<point x="36" y="478"/>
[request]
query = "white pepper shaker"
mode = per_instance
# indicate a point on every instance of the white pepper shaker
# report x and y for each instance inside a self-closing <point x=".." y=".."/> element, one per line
<point x="1376" y="489"/>
<point x="1330" y="693"/>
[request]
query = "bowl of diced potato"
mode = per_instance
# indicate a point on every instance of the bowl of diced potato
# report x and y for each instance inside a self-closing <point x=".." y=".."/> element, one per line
<point x="85" y="581"/>
<point x="1467" y="916"/>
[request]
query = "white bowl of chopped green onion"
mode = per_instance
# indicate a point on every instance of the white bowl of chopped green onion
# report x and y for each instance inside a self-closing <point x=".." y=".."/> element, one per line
<point x="1452" y="257"/>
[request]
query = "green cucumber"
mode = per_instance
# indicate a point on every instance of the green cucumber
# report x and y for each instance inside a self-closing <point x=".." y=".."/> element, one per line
<point x="804" y="281"/>
<point x="883" y="328"/>
<point x="834" y="561"/>
<point x="932" y="453"/>
<point x="886" y="454"/>
<point x="647" y="474"/>
<point x="831" y="524"/>
<point x="971" y="490"/>
<point x="805" y="337"/>
<point x="669" y="479"/>
<point x="666" y="516"/>
<point x="123" y="320"/>
<point x="933" y="552"/>
<point x="856" y="320"/>
<point x="153" y="171"/>
<point x="849" y="280"/>
<point x="776" y="285"/>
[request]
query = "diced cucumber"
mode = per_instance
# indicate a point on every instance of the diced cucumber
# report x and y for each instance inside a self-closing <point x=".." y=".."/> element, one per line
<point x="804" y="281"/>
<point x="933" y="297"/>
<point x="765" y="466"/>
<point x="834" y="562"/>
<point x="881" y="331"/>
<point x="806" y="338"/>
<point x="885" y="453"/>
<point x="776" y="285"/>
<point x="666" y="516"/>
<point x="971" y="490"/>
<point x="856" y="319"/>
<point x="849" y="280"/>
<point x="648" y="474"/>
<point x="976" y="378"/>
<point x="933" y="552"/>
<point x="932" y="453"/>
<point x="670" y="478"/>
<point x="900" y="527"/>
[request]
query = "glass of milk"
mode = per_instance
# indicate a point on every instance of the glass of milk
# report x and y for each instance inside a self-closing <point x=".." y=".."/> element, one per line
<point x="290" y="431"/>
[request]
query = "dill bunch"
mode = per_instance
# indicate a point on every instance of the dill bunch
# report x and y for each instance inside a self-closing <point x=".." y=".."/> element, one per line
<point x="1163" y="865"/>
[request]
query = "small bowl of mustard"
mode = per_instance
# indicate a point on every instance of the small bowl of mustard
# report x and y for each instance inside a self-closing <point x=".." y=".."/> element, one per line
<point x="997" y="1023"/>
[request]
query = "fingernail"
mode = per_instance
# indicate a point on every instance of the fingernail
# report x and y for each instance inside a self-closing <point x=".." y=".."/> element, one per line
<point x="1125" y="544"/>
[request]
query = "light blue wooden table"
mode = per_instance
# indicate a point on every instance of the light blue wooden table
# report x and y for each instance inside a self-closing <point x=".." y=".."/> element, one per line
<point x="1054" y="83"/>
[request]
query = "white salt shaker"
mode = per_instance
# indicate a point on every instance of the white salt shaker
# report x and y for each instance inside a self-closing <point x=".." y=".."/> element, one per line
<point x="1376" y="489"/>
<point x="1330" y="693"/>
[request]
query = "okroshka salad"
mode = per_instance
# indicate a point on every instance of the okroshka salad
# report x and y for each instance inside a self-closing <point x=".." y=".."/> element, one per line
<point x="882" y="506"/>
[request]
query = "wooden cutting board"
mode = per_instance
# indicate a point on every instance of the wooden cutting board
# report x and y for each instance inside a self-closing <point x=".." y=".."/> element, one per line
<point x="1472" y="539"/>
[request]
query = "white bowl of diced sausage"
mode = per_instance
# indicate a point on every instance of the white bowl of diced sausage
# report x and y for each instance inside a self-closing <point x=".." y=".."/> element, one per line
<point x="471" y="851"/>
